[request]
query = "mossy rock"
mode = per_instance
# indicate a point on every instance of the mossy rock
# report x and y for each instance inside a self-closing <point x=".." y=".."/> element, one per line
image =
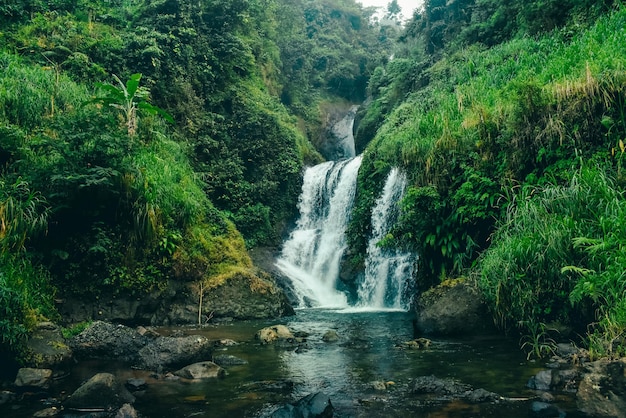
<point x="453" y="308"/>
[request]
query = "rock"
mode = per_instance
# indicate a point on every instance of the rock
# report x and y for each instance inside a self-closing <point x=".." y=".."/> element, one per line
<point x="34" y="378"/>
<point x="225" y="343"/>
<point x="330" y="336"/>
<point x="135" y="385"/>
<point x="453" y="308"/>
<point x="315" y="405"/>
<point x="148" y="332"/>
<point x="481" y="395"/>
<point x="541" y="381"/>
<point x="270" y="334"/>
<point x="126" y="411"/>
<point x="245" y="294"/>
<point x="451" y="389"/>
<point x="416" y="344"/>
<point x="545" y="410"/>
<point x="226" y="360"/>
<point x="174" y="352"/>
<point x="103" y="340"/>
<point x="437" y="386"/>
<point x="102" y="392"/>
<point x="602" y="389"/>
<point x="202" y="370"/>
<point x="379" y="385"/>
<point x="279" y="386"/>
<point x="46" y="348"/>
<point x="6" y="397"/>
<point x="48" y="412"/>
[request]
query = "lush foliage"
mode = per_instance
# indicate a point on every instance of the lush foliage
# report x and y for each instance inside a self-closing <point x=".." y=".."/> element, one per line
<point x="99" y="194"/>
<point x="501" y="144"/>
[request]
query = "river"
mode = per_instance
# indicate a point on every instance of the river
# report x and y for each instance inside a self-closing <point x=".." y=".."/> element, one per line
<point x="367" y="352"/>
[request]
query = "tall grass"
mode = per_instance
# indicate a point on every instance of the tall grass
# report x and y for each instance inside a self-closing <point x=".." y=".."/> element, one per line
<point x="560" y="257"/>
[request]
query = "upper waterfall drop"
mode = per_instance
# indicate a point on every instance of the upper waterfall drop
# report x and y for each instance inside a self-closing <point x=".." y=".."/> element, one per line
<point x="387" y="271"/>
<point x="312" y="254"/>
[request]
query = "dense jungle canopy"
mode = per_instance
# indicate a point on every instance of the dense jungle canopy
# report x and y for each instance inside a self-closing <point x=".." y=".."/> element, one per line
<point x="142" y="141"/>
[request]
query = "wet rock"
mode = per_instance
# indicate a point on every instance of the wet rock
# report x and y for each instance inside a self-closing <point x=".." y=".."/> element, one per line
<point x="452" y="308"/>
<point x="135" y="385"/>
<point x="545" y="410"/>
<point x="103" y="340"/>
<point x="541" y="381"/>
<point x="437" y="386"/>
<point x="48" y="412"/>
<point x="555" y="379"/>
<point x="315" y="405"/>
<point x="379" y="385"/>
<point x="126" y="411"/>
<point x="602" y="389"/>
<point x="226" y="360"/>
<point x="33" y="378"/>
<point x="46" y="347"/>
<point x="481" y="395"/>
<point x="245" y="294"/>
<point x="450" y="389"/>
<point x="280" y="386"/>
<point x="330" y="336"/>
<point x="202" y="370"/>
<point x="102" y="392"/>
<point x="271" y="334"/>
<point x="416" y="344"/>
<point x="226" y="343"/>
<point x="147" y="332"/>
<point x="166" y="352"/>
<point x="6" y="397"/>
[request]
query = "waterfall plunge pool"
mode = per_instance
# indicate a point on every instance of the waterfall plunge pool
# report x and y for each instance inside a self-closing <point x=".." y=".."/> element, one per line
<point x="366" y="352"/>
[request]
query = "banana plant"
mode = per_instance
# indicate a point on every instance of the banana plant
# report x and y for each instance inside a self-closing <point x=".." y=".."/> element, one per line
<point x="128" y="98"/>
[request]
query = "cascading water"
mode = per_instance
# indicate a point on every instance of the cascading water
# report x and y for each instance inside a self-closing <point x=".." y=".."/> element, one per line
<point x="312" y="255"/>
<point x="387" y="271"/>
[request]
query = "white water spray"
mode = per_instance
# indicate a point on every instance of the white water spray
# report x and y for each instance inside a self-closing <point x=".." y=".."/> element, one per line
<point x="387" y="271"/>
<point x="312" y="255"/>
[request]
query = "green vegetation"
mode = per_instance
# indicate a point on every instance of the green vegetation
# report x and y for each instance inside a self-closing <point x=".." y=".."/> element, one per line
<point x="514" y="150"/>
<point x="509" y="119"/>
<point x="99" y="195"/>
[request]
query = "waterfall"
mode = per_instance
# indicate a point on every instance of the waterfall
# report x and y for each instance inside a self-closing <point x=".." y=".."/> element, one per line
<point x="342" y="131"/>
<point x="387" y="271"/>
<point x="312" y="254"/>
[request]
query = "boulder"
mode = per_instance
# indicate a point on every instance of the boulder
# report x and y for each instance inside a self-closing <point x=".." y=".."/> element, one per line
<point x="276" y="332"/>
<point x="416" y="344"/>
<point x="541" y="381"/>
<point x="33" y="378"/>
<point x="602" y="390"/>
<point x="103" y="340"/>
<point x="6" y="397"/>
<point x="135" y="385"/>
<point x="330" y="336"/>
<point x="315" y="405"/>
<point x="202" y="370"/>
<point x="451" y="309"/>
<point x="102" y="392"/>
<point x="46" y="347"/>
<point x="126" y="411"/>
<point x="164" y="352"/>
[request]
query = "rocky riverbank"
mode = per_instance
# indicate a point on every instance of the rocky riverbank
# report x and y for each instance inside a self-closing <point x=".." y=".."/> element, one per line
<point x="183" y="357"/>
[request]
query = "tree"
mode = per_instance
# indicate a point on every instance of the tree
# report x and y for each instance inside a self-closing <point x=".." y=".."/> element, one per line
<point x="394" y="11"/>
<point x="128" y="98"/>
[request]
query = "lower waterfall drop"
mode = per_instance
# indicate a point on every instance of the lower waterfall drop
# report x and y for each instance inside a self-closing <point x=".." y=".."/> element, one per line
<point x="312" y="254"/>
<point x="388" y="272"/>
